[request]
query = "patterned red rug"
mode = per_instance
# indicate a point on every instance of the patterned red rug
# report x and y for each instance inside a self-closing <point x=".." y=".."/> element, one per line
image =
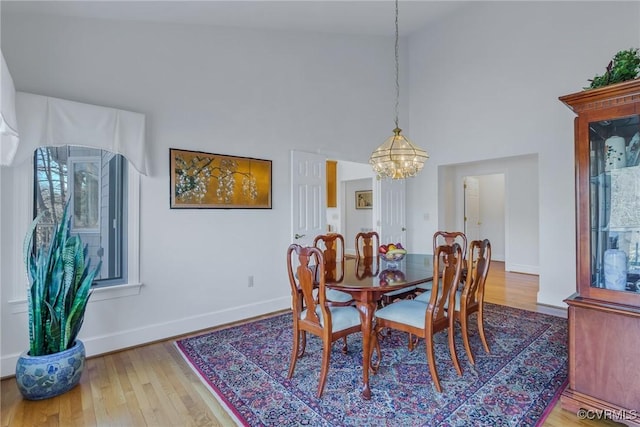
<point x="246" y="366"/>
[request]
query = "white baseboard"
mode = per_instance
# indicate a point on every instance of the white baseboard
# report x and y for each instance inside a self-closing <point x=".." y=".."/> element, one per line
<point x="523" y="268"/>
<point x="161" y="331"/>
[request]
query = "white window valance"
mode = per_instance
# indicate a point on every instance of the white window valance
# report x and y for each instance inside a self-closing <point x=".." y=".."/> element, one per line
<point x="8" y="123"/>
<point x="47" y="121"/>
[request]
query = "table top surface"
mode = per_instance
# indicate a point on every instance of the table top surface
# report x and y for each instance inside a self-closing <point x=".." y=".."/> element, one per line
<point x="376" y="275"/>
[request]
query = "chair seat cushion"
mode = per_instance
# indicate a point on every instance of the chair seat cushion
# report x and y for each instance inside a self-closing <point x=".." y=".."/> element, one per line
<point x="408" y="312"/>
<point x="341" y="317"/>
<point x="427" y="288"/>
<point x="337" y="296"/>
<point x="424" y="297"/>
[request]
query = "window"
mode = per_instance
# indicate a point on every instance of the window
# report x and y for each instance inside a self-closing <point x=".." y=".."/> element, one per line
<point x="94" y="183"/>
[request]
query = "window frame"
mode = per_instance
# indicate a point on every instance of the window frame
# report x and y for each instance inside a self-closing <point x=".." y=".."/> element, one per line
<point x="22" y="210"/>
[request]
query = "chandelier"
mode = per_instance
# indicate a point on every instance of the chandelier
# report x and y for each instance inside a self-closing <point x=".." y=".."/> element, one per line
<point x="397" y="157"/>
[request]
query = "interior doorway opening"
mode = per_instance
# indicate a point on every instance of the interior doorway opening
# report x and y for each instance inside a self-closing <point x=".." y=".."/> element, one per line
<point x="346" y="217"/>
<point x="484" y="211"/>
<point x="520" y="249"/>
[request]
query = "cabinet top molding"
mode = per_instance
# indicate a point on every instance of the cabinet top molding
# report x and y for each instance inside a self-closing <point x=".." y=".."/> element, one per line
<point x="607" y="96"/>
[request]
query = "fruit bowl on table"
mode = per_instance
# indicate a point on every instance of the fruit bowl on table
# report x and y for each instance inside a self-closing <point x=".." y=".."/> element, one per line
<point x="393" y="256"/>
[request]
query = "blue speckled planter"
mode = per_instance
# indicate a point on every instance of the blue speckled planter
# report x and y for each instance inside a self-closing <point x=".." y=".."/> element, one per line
<point x="42" y="377"/>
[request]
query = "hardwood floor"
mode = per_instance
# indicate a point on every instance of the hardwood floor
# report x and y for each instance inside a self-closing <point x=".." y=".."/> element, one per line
<point x="152" y="385"/>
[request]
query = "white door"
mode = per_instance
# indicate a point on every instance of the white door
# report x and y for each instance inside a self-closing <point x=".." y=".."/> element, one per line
<point x="392" y="213"/>
<point x="308" y="197"/>
<point x="471" y="208"/>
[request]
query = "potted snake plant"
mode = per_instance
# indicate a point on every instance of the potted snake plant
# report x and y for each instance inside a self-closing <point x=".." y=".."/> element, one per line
<point x="60" y="281"/>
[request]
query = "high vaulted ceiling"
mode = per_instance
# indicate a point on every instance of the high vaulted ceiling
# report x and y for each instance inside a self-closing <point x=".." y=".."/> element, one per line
<point x="335" y="16"/>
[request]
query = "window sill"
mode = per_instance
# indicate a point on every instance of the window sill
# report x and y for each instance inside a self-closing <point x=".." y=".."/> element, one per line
<point x="98" y="294"/>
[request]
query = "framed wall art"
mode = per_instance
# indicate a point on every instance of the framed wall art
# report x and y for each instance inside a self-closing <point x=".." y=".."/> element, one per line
<point x="218" y="181"/>
<point x="364" y="199"/>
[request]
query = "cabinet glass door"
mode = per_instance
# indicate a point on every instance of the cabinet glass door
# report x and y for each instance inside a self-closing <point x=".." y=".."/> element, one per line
<point x="615" y="203"/>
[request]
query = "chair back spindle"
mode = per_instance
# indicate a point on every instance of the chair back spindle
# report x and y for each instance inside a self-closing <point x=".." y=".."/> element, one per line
<point x="302" y="281"/>
<point x="447" y="269"/>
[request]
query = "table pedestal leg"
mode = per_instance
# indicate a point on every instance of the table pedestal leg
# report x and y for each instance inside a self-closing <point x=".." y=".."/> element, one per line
<point x="368" y="340"/>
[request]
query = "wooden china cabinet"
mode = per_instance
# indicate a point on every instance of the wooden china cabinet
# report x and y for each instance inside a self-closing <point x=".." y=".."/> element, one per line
<point x="604" y="313"/>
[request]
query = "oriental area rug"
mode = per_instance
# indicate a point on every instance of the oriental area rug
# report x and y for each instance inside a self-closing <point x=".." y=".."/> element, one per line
<point x="246" y="366"/>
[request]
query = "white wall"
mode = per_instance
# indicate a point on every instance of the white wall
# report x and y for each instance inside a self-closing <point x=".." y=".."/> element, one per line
<point x="485" y="84"/>
<point x="246" y="93"/>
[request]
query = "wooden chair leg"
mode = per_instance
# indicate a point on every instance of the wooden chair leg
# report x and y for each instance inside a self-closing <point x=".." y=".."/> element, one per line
<point x="376" y="347"/>
<point x="481" y="330"/>
<point x="294" y="352"/>
<point x="303" y="344"/>
<point x="324" y="370"/>
<point x="344" y="345"/>
<point x="432" y="361"/>
<point x="413" y="342"/>
<point x="452" y="346"/>
<point x="464" y="325"/>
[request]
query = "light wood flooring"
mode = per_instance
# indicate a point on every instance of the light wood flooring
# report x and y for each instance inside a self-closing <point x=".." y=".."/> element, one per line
<point x="152" y="385"/>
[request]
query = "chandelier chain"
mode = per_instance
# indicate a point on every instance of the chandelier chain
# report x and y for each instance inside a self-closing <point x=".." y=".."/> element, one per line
<point x="397" y="48"/>
<point x="397" y="157"/>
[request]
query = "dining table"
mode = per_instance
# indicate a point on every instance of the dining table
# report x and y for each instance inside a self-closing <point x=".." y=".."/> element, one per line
<point x="366" y="280"/>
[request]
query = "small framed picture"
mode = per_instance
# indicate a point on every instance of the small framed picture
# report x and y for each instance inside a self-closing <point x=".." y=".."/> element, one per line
<point x="364" y="199"/>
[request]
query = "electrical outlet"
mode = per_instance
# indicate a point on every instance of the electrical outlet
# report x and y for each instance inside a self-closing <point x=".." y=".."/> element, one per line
<point x="250" y="281"/>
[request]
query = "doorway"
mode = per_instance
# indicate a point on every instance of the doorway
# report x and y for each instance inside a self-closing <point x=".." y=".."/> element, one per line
<point x="346" y="219"/>
<point x="519" y="192"/>
<point x="311" y="216"/>
<point x="484" y="211"/>
<point x="356" y="218"/>
<point x="386" y="216"/>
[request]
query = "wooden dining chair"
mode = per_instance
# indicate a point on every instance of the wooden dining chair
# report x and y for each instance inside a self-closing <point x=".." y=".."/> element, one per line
<point x="332" y="247"/>
<point x="367" y="260"/>
<point x="367" y="244"/>
<point x="471" y="299"/>
<point x="447" y="238"/>
<point x="424" y="320"/>
<point x="312" y="313"/>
